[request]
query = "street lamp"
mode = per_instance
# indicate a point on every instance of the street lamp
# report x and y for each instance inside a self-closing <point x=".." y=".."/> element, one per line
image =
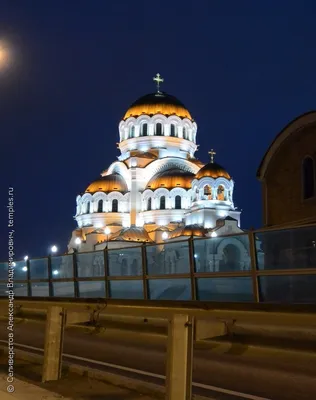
<point x="55" y="272"/>
<point x="164" y="236"/>
<point x="26" y="258"/>
<point x="107" y="231"/>
<point x="54" y="249"/>
<point x="213" y="234"/>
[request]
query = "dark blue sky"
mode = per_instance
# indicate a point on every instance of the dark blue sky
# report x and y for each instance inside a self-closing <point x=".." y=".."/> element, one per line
<point x="244" y="70"/>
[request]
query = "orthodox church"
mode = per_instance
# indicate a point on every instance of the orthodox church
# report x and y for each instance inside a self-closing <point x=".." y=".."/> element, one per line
<point x="157" y="191"/>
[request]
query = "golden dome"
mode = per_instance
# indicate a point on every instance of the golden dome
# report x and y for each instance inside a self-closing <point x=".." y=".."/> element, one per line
<point x="157" y="103"/>
<point x="212" y="170"/>
<point x="189" y="230"/>
<point x="108" y="183"/>
<point x="171" y="178"/>
<point x="132" y="234"/>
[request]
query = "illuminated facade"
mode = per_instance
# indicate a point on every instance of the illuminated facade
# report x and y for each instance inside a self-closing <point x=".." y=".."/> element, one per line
<point x="157" y="190"/>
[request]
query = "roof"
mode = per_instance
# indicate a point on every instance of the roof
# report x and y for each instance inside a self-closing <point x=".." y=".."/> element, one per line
<point x="108" y="183"/>
<point x="132" y="234"/>
<point x="212" y="170"/>
<point x="189" y="230"/>
<point x="157" y="103"/>
<point x="171" y="178"/>
<point x="295" y="125"/>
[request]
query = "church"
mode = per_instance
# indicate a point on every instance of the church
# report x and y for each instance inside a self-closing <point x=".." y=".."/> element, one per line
<point x="157" y="191"/>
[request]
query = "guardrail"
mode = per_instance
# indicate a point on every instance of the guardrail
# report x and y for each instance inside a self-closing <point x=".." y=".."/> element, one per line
<point x="258" y="266"/>
<point x="183" y="319"/>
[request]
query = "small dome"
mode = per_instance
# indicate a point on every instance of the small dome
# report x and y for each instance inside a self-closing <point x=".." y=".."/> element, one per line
<point x="157" y="103"/>
<point x="108" y="183"/>
<point x="131" y="234"/>
<point x="189" y="230"/>
<point x="212" y="170"/>
<point x="171" y="178"/>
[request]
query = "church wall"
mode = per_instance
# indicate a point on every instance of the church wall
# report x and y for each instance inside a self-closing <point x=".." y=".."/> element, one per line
<point x="283" y="196"/>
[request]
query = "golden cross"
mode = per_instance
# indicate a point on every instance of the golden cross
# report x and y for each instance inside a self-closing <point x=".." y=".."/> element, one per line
<point x="212" y="153"/>
<point x="158" y="79"/>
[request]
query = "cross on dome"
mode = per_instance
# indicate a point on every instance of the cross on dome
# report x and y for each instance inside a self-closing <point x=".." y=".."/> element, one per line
<point x="158" y="80"/>
<point x="212" y="153"/>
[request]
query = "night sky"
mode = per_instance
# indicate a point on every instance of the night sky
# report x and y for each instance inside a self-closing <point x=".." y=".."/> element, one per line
<point x="244" y="69"/>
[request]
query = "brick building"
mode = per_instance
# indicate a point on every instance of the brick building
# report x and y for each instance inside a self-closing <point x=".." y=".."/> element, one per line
<point x="287" y="174"/>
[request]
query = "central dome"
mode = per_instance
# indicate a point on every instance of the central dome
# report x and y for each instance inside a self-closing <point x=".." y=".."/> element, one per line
<point x="157" y="103"/>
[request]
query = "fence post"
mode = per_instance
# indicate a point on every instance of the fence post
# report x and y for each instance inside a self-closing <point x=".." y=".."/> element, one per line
<point x="144" y="272"/>
<point x="54" y="333"/>
<point x="28" y="277"/>
<point x="106" y="273"/>
<point x="254" y="266"/>
<point x="192" y="268"/>
<point x="50" y="276"/>
<point x="75" y="273"/>
<point x="180" y="357"/>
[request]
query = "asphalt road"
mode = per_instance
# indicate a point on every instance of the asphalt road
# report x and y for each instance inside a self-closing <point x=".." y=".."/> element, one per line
<point x="265" y="373"/>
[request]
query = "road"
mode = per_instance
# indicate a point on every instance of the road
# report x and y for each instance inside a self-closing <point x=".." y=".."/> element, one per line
<point x="266" y="373"/>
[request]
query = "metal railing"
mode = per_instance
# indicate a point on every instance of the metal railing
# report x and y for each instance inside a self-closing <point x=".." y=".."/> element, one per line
<point x="258" y="266"/>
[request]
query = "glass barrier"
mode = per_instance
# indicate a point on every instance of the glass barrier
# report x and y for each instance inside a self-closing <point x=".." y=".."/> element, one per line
<point x="125" y="262"/>
<point x="39" y="268"/>
<point x="40" y="289"/>
<point x="63" y="289"/>
<point x="131" y="289"/>
<point x="20" y="271"/>
<point x="168" y="258"/>
<point x="90" y="264"/>
<point x="169" y="289"/>
<point x="225" y="289"/>
<point x="20" y="289"/>
<point x="288" y="289"/>
<point x="287" y="249"/>
<point x="92" y="289"/>
<point x="222" y="254"/>
<point x="62" y="267"/>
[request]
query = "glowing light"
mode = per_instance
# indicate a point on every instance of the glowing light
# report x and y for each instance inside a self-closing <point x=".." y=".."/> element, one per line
<point x="24" y="269"/>
<point x="195" y="256"/>
<point x="213" y="234"/>
<point x="4" y="55"/>
<point x="55" y="272"/>
<point x="78" y="241"/>
<point x="99" y="225"/>
<point x="13" y="264"/>
<point x="164" y="236"/>
<point x="107" y="230"/>
<point x="54" y="249"/>
<point x="26" y="258"/>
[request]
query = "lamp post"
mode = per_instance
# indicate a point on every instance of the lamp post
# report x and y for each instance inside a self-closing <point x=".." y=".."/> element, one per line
<point x="107" y="231"/>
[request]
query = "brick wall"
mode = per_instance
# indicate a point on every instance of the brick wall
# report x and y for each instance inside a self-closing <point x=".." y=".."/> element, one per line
<point x="284" y="201"/>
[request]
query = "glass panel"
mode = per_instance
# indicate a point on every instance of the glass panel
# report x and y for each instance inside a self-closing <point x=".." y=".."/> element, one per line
<point x="125" y="262"/>
<point x="3" y="289"/>
<point x="3" y="271"/>
<point x="92" y="289"/>
<point x="126" y="289"/>
<point x="39" y="268"/>
<point x="20" y="271"/>
<point x="20" y="289"/>
<point x="62" y="267"/>
<point x="288" y="289"/>
<point x="169" y="289"/>
<point x="169" y="258"/>
<point x="225" y="289"/>
<point x="90" y="264"/>
<point x="222" y="254"/>
<point x="40" y="289"/>
<point x="64" y="289"/>
<point x="287" y="248"/>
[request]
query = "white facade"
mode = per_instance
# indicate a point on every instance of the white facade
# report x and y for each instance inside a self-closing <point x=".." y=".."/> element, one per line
<point x="156" y="185"/>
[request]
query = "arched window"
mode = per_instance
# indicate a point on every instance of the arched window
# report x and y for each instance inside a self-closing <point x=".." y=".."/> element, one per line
<point x="178" y="202"/>
<point x="100" y="206"/>
<point x="162" y="203"/>
<point x="132" y="131"/>
<point x="184" y="133"/>
<point x="115" y="205"/>
<point x="308" y="178"/>
<point x="88" y="207"/>
<point x="220" y="193"/>
<point x="208" y="191"/>
<point x="149" y="204"/>
<point x="158" y="129"/>
<point x="144" y="129"/>
<point x="172" y="130"/>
